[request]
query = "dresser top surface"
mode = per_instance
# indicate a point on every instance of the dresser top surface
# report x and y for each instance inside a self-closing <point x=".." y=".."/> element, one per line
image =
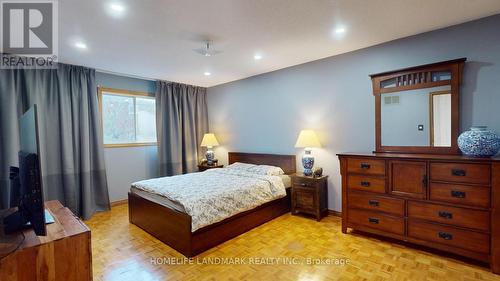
<point x="420" y="156"/>
<point x="66" y="224"/>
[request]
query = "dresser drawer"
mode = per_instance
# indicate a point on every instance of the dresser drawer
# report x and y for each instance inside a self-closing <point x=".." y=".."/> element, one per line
<point x="376" y="221"/>
<point x="450" y="215"/>
<point x="461" y="194"/>
<point x="459" y="172"/>
<point x="366" y="183"/>
<point x="376" y="203"/>
<point x="447" y="235"/>
<point x="366" y="166"/>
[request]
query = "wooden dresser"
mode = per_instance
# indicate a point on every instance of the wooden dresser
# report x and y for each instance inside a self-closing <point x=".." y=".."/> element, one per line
<point x="64" y="254"/>
<point x="446" y="202"/>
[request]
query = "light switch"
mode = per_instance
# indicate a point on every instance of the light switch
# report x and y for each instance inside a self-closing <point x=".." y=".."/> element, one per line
<point x="420" y="127"/>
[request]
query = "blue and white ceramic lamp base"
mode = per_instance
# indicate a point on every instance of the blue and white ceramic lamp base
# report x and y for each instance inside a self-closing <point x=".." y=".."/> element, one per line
<point x="210" y="155"/>
<point x="479" y="141"/>
<point x="308" y="162"/>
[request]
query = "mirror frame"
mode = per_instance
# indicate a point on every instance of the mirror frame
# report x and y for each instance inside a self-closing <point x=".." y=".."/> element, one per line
<point x="420" y="77"/>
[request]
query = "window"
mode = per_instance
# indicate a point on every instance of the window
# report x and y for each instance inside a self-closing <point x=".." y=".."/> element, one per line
<point x="128" y="118"/>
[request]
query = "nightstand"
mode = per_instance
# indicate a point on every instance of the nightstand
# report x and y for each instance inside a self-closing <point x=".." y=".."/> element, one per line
<point x="204" y="167"/>
<point x="309" y="195"/>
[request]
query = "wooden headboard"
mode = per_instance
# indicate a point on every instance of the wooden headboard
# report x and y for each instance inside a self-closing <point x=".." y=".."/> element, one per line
<point x="285" y="162"/>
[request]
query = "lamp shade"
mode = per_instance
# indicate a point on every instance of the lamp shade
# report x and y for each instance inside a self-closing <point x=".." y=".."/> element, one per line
<point x="209" y="140"/>
<point x="307" y="138"/>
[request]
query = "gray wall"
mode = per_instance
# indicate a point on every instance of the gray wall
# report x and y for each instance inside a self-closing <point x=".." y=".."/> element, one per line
<point x="126" y="165"/>
<point x="334" y="97"/>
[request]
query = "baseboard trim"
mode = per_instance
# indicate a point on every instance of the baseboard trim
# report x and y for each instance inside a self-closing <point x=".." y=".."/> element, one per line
<point x="334" y="213"/>
<point x="119" y="202"/>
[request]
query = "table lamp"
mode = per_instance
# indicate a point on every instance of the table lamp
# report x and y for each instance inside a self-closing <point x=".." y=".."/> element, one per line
<point x="209" y="141"/>
<point x="307" y="139"/>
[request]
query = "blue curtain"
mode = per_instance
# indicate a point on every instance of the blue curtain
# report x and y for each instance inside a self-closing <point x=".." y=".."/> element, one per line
<point x="181" y="122"/>
<point x="71" y="147"/>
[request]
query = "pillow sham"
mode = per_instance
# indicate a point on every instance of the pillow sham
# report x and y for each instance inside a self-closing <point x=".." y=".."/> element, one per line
<point x="266" y="170"/>
<point x="241" y="166"/>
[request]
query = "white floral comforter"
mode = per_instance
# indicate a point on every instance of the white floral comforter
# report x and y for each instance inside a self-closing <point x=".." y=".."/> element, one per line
<point x="216" y="194"/>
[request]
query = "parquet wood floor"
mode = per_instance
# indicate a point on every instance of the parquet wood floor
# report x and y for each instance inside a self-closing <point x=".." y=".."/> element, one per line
<point x="124" y="252"/>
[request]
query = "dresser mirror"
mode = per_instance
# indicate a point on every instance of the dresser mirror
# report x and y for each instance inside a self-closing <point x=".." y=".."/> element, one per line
<point x="417" y="108"/>
<point x="420" y="117"/>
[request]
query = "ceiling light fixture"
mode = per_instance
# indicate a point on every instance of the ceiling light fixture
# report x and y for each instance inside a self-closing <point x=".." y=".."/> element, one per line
<point x="257" y="57"/>
<point x="340" y="30"/>
<point x="117" y="7"/>
<point x="207" y="73"/>
<point x="81" y="45"/>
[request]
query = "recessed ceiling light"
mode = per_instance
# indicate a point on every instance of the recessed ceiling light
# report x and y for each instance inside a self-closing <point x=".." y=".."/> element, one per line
<point x="117" y="7"/>
<point x="81" y="45"/>
<point x="257" y="57"/>
<point x="340" y="30"/>
<point x="207" y="73"/>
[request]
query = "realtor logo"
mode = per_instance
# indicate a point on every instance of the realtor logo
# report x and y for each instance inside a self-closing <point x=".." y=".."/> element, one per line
<point x="29" y="28"/>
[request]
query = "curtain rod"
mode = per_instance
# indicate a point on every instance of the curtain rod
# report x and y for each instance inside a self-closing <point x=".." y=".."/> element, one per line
<point x="107" y="71"/>
<point x="140" y="77"/>
<point x="125" y="75"/>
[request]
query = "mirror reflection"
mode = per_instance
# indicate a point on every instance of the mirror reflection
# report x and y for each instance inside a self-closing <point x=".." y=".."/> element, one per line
<point x="420" y="117"/>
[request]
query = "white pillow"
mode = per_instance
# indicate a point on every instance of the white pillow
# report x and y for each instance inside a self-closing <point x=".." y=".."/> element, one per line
<point x="266" y="170"/>
<point x="241" y="166"/>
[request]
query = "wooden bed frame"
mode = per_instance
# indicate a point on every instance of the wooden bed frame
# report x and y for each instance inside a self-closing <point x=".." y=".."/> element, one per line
<point x="174" y="228"/>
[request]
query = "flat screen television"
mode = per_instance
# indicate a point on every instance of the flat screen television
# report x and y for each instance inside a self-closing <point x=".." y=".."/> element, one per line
<point x="26" y="181"/>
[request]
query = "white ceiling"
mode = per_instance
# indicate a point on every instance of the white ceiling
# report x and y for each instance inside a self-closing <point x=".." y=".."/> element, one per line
<point x="155" y="38"/>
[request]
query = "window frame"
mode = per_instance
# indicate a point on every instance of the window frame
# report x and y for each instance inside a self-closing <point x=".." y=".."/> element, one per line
<point x="121" y="92"/>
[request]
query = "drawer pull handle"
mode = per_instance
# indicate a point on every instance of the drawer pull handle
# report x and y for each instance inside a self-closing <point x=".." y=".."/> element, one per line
<point x="373" y="220"/>
<point x="365" y="183"/>
<point x="445" y="236"/>
<point x="373" y="203"/>
<point x="445" y="215"/>
<point x="303" y="184"/>
<point x="365" y="166"/>
<point x="457" y="194"/>
<point x="458" y="172"/>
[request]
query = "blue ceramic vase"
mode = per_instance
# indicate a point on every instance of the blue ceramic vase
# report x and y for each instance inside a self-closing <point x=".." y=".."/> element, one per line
<point x="479" y="141"/>
<point x="308" y="162"/>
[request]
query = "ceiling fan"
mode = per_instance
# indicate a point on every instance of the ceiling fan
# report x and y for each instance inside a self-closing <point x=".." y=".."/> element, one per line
<point x="207" y="51"/>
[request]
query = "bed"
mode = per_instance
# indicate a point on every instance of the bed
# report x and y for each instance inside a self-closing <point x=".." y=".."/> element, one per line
<point x="172" y="225"/>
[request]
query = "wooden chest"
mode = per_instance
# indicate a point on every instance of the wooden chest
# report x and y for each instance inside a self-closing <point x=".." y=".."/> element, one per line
<point x="447" y="202"/>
